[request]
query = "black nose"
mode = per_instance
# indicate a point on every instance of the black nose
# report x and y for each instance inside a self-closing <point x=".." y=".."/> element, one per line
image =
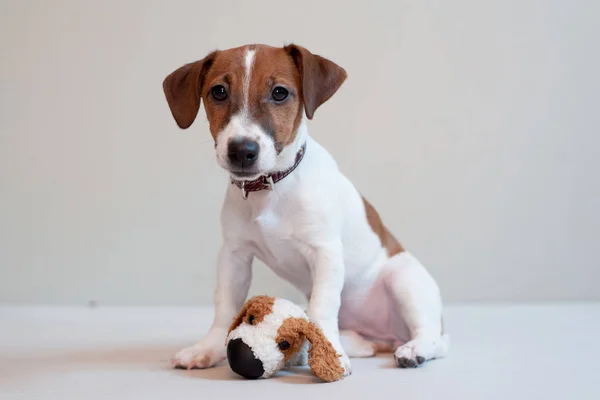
<point x="242" y="152"/>
<point x="242" y="360"/>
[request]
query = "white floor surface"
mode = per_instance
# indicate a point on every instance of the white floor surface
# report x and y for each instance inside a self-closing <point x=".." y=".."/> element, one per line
<point x="497" y="352"/>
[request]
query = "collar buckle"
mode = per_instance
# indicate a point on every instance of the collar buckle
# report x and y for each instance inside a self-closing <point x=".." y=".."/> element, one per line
<point x="268" y="182"/>
<point x="244" y="191"/>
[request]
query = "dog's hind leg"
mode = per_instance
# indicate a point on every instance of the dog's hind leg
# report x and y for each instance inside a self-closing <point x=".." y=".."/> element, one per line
<point x="417" y="300"/>
<point x="355" y="345"/>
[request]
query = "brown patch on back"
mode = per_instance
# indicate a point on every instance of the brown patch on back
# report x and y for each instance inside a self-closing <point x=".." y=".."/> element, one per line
<point x="254" y="311"/>
<point x="388" y="241"/>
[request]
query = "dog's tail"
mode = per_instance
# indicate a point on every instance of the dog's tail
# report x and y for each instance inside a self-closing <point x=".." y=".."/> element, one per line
<point x="383" y="346"/>
<point x="443" y="346"/>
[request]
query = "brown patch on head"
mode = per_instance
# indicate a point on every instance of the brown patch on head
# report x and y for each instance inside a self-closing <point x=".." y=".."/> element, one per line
<point x="228" y="69"/>
<point x="323" y="359"/>
<point x="309" y="79"/>
<point x="254" y="311"/>
<point x="274" y="68"/>
<point x="388" y="241"/>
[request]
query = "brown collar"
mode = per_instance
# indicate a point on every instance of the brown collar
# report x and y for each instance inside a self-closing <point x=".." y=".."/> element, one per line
<point x="268" y="181"/>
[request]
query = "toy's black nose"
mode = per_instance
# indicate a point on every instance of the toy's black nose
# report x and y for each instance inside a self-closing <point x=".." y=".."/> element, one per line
<point x="242" y="360"/>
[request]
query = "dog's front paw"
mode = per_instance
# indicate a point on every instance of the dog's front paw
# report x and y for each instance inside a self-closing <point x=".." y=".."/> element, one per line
<point x="333" y="337"/>
<point x="198" y="356"/>
<point x="345" y="361"/>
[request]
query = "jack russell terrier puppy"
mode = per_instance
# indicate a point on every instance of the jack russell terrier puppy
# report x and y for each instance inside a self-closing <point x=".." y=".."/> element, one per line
<point x="288" y="205"/>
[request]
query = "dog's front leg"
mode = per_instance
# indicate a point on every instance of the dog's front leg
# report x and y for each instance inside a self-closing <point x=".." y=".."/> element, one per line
<point x="234" y="273"/>
<point x="328" y="280"/>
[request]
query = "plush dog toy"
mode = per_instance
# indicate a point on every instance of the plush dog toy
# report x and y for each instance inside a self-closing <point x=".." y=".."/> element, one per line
<point x="271" y="333"/>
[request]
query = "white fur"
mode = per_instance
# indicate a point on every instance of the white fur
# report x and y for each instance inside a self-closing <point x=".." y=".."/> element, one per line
<point x="355" y="345"/>
<point x="312" y="230"/>
<point x="248" y="62"/>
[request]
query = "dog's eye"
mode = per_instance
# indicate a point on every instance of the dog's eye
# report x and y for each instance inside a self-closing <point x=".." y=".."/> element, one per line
<point x="284" y="345"/>
<point x="219" y="93"/>
<point x="279" y="93"/>
<point x="251" y="319"/>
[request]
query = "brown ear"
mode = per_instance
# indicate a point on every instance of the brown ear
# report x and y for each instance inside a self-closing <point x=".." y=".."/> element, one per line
<point x="183" y="89"/>
<point x="322" y="357"/>
<point x="321" y="78"/>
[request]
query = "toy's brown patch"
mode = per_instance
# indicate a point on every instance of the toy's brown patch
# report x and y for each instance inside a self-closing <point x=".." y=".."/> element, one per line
<point x="323" y="360"/>
<point x="290" y="331"/>
<point x="388" y="241"/>
<point x="254" y="311"/>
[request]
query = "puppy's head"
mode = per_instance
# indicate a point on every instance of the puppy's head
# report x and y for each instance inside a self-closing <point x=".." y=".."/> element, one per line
<point x="268" y="332"/>
<point x="255" y="98"/>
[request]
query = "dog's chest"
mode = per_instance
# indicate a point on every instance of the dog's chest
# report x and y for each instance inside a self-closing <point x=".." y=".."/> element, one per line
<point x="276" y="243"/>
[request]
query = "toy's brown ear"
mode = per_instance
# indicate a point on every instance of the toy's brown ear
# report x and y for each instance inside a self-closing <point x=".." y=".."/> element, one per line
<point x="322" y="358"/>
<point x="183" y="90"/>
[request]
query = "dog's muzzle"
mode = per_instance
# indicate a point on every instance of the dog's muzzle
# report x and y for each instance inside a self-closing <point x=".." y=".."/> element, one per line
<point x="242" y="360"/>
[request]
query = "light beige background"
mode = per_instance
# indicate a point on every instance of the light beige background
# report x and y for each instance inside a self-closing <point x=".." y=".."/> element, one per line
<point x="471" y="125"/>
